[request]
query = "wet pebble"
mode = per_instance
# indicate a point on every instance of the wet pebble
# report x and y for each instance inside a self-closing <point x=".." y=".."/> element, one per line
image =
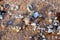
<point x="36" y="14"/>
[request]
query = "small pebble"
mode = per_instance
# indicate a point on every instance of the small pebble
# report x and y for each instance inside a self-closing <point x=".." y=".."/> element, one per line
<point x="36" y="14"/>
<point x="50" y="30"/>
<point x="10" y="22"/>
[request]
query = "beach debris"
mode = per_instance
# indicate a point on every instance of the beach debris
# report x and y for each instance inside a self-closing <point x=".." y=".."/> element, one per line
<point x="26" y="20"/>
<point x="34" y="25"/>
<point x="35" y="14"/>
<point x="29" y="8"/>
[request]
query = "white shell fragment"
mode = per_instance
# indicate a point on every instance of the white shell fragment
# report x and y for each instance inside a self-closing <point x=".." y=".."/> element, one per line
<point x="12" y="8"/>
<point x="16" y="7"/>
<point x="55" y="18"/>
<point x="34" y="24"/>
<point x="21" y="16"/>
<point x="28" y="8"/>
<point x="43" y="36"/>
<point x="16" y="28"/>
<point x="10" y="13"/>
<point x="26" y="21"/>
<point x="50" y="13"/>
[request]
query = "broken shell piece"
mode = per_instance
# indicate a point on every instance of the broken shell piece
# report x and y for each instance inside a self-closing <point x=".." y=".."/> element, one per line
<point x="16" y="28"/>
<point x="12" y="8"/>
<point x="34" y="28"/>
<point x="26" y="21"/>
<point x="13" y="28"/>
<point x="34" y="24"/>
<point x="10" y="13"/>
<point x="43" y="36"/>
<point x="55" y="18"/>
<point x="29" y="8"/>
<point x="21" y="16"/>
<point x="16" y="7"/>
<point x="50" y="13"/>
